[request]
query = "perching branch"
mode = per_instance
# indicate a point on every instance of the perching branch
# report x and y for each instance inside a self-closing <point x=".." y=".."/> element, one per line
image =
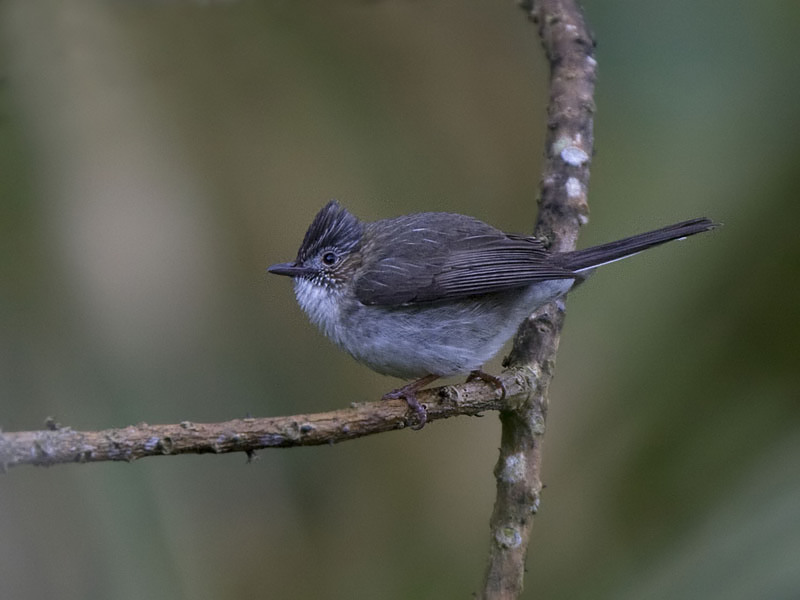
<point x="562" y="209"/>
<point x="59" y="445"/>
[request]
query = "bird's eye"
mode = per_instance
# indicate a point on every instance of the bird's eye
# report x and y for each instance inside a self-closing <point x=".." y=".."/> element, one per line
<point x="329" y="259"/>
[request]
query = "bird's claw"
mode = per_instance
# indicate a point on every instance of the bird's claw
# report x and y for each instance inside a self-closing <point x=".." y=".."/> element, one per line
<point x="410" y="396"/>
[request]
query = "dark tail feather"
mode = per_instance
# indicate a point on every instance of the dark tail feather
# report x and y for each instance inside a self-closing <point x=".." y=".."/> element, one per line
<point x="606" y="253"/>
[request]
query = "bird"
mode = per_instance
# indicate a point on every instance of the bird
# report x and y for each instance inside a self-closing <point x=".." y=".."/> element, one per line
<point x="435" y="294"/>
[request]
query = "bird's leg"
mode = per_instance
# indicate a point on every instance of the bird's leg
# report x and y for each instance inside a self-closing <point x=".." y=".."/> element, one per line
<point x="490" y="379"/>
<point x="409" y="393"/>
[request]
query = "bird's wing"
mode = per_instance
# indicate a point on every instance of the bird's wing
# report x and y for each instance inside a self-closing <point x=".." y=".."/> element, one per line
<point x="438" y="257"/>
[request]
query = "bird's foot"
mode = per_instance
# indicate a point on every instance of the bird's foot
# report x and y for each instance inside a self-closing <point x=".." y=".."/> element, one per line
<point x="409" y="394"/>
<point x="490" y="379"/>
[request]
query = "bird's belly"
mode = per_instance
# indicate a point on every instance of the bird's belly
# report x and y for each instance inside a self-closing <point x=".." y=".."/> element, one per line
<point x="440" y="338"/>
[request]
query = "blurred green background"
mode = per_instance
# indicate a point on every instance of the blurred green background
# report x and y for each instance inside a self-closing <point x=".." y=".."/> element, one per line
<point x="157" y="156"/>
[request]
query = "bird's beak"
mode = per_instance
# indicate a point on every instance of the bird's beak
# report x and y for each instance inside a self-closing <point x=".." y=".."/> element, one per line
<point x="289" y="269"/>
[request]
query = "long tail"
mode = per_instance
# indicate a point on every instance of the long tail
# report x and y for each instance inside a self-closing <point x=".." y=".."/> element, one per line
<point x="605" y="253"/>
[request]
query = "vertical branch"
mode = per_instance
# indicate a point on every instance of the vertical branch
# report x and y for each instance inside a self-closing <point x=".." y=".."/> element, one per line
<point x="562" y="209"/>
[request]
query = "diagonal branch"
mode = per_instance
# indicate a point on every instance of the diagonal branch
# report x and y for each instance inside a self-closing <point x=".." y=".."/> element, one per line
<point x="562" y="209"/>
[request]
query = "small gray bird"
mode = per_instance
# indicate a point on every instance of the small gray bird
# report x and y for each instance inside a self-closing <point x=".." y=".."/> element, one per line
<point x="429" y="295"/>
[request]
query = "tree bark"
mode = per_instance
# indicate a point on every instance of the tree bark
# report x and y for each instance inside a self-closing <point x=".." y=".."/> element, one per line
<point x="562" y="210"/>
